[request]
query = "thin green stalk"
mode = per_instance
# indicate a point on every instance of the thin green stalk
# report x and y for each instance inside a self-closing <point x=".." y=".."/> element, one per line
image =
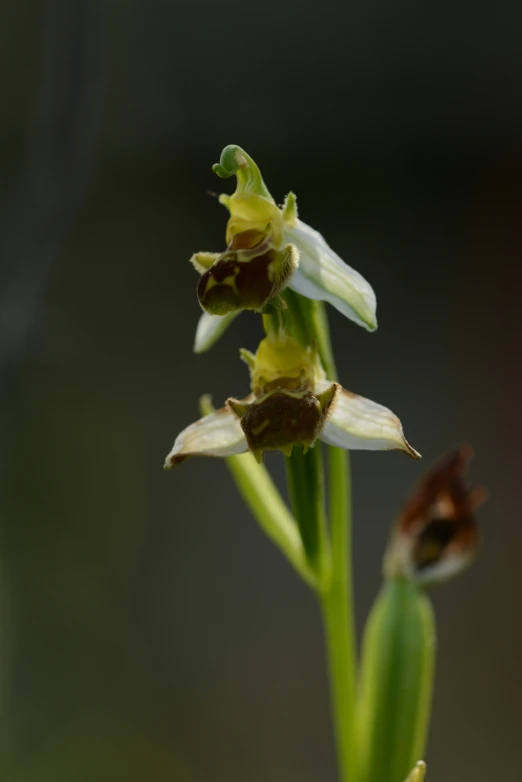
<point x="337" y="602"/>
<point x="305" y="477"/>
<point x="337" y="612"/>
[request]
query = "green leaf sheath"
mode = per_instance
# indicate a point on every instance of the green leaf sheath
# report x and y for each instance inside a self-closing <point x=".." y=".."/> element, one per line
<point x="396" y="683"/>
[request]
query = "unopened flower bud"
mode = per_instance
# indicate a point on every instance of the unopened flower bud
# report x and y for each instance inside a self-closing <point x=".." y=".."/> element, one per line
<point x="436" y="535"/>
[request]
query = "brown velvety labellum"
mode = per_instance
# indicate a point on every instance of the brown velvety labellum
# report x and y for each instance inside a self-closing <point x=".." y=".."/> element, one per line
<point x="231" y="284"/>
<point x="280" y="419"/>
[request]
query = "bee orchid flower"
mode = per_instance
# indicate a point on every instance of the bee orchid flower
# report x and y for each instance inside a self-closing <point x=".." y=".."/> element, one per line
<point x="268" y="249"/>
<point x="292" y="403"/>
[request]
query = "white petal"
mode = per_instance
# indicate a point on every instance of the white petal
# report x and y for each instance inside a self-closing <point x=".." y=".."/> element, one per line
<point x="324" y="276"/>
<point x="357" y="423"/>
<point x="218" y="434"/>
<point x="210" y="328"/>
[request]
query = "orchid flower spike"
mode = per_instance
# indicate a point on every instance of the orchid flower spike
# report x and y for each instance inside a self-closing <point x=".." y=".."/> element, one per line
<point x="268" y="249"/>
<point x="436" y="535"/>
<point x="292" y="403"/>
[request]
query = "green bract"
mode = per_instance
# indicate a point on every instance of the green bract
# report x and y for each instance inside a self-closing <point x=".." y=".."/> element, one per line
<point x="269" y="249"/>
<point x="396" y="683"/>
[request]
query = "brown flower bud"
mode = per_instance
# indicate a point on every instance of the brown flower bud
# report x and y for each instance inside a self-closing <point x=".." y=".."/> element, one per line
<point x="436" y="535"/>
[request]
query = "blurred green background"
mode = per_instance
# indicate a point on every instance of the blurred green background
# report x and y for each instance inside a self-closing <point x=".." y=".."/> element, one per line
<point x="148" y="631"/>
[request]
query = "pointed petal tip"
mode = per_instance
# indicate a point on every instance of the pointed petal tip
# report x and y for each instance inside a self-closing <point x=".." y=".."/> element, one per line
<point x="173" y="460"/>
<point x="477" y="497"/>
<point x="368" y="318"/>
<point x="237" y="406"/>
<point x="368" y="324"/>
<point x="410" y="450"/>
<point x="210" y="328"/>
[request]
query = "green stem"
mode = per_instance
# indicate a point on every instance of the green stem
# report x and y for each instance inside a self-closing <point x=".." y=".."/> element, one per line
<point x="337" y="602"/>
<point x="307" y="321"/>
<point x="305" y="477"/>
<point x="337" y="611"/>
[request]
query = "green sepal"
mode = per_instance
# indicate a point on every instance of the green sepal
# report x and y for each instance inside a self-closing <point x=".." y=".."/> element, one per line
<point x="396" y="683"/>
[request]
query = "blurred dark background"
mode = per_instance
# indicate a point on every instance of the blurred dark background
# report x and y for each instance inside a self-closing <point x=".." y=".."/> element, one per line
<point x="147" y="628"/>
